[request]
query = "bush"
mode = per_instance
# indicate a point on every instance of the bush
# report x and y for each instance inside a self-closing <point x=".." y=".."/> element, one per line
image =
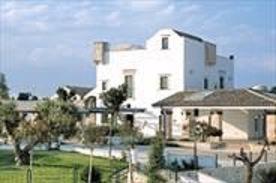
<point x="95" y="175"/>
<point x="267" y="176"/>
<point x="156" y="154"/>
<point x="155" y="177"/>
<point x="183" y="166"/>
<point x="204" y="130"/>
<point x="145" y="141"/>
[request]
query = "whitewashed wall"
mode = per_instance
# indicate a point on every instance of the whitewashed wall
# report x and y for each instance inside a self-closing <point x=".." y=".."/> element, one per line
<point x="148" y="64"/>
<point x="236" y="124"/>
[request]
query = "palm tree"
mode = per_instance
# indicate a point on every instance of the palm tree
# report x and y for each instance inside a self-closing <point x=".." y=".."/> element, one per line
<point x="113" y="99"/>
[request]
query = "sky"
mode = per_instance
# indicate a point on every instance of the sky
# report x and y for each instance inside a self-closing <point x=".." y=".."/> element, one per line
<point x="47" y="43"/>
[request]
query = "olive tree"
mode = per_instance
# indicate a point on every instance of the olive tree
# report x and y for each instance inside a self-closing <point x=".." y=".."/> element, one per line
<point x="52" y="119"/>
<point x="60" y="118"/>
<point x="20" y="130"/>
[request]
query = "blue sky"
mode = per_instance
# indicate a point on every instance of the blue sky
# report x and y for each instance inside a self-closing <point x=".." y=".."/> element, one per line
<point x="45" y="44"/>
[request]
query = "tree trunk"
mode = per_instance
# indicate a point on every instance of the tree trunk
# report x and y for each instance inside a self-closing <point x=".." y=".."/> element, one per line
<point x="195" y="154"/>
<point x="114" y="115"/>
<point x="22" y="157"/>
<point x="90" y="173"/>
<point x="49" y="145"/>
<point x="130" y="166"/>
<point x="249" y="174"/>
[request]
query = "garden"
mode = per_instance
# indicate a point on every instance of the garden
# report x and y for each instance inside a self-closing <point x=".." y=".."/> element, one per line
<point x="55" y="167"/>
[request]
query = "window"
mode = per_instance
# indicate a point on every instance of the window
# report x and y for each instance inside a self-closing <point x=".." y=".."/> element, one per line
<point x="205" y="83"/>
<point x="221" y="82"/>
<point x="164" y="82"/>
<point x="256" y="124"/>
<point x="129" y="84"/>
<point x="104" y="85"/>
<point x="165" y="43"/>
<point x="196" y="113"/>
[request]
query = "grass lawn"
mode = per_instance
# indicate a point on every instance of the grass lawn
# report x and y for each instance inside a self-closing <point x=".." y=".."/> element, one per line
<point x="62" y="173"/>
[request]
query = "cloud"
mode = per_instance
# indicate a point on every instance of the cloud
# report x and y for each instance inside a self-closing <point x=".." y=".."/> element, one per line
<point x="53" y="34"/>
<point x="145" y="5"/>
<point x="190" y="8"/>
<point x="15" y="11"/>
<point x="167" y="10"/>
<point x="113" y="18"/>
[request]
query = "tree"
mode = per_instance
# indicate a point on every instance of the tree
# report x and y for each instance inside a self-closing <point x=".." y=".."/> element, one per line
<point x="273" y="90"/>
<point x="203" y="130"/>
<point x="60" y="118"/>
<point x="24" y="96"/>
<point x="156" y="159"/>
<point x="20" y="130"/>
<point x="92" y="136"/>
<point x="129" y="134"/>
<point x="4" y="90"/>
<point x="248" y="162"/>
<point x="64" y="95"/>
<point x="113" y="99"/>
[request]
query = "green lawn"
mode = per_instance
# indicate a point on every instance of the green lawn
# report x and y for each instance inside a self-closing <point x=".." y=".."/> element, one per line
<point x="63" y="173"/>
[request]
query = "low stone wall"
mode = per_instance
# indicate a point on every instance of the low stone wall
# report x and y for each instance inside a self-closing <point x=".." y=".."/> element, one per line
<point x="235" y="174"/>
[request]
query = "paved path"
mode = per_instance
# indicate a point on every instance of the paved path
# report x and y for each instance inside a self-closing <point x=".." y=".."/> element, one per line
<point x="141" y="152"/>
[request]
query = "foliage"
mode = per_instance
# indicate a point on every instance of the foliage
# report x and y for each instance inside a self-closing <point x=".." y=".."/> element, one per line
<point x="60" y="118"/>
<point x="53" y="119"/>
<point x="95" y="175"/>
<point x="267" y="175"/>
<point x="156" y="159"/>
<point x="4" y="90"/>
<point x="184" y="165"/>
<point x="114" y="97"/>
<point x="64" y="95"/>
<point x="203" y="130"/>
<point x="273" y="90"/>
<point x="20" y="130"/>
<point x="129" y="133"/>
<point x="24" y="96"/>
<point x="155" y="177"/>
<point x="95" y="135"/>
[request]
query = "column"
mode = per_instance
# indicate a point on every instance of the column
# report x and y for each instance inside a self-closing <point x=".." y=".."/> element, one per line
<point x="220" y="113"/>
<point x="210" y="118"/>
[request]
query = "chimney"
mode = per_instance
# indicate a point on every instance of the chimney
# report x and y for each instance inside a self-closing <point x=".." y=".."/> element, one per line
<point x="99" y="53"/>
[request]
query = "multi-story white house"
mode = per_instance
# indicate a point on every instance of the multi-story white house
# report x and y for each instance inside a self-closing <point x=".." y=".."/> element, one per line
<point x="170" y="61"/>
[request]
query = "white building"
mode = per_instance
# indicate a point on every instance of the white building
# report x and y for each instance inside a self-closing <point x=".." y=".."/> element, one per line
<point x="170" y="61"/>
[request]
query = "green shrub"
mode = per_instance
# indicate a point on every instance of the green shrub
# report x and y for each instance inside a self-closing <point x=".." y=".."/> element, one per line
<point x="95" y="175"/>
<point x="267" y="176"/>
